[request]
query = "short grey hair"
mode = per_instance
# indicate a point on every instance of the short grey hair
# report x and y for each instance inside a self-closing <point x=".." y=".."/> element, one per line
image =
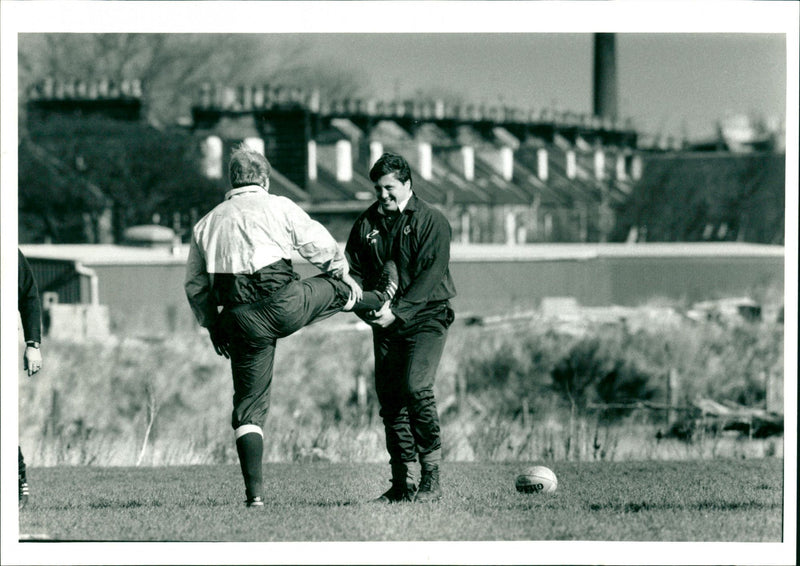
<point x="248" y="167"/>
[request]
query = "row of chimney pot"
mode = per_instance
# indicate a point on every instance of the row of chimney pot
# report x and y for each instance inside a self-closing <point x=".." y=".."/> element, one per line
<point x="51" y="89"/>
<point x="247" y="98"/>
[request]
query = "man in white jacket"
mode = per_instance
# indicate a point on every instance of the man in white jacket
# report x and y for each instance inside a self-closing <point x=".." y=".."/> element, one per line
<point x="240" y="260"/>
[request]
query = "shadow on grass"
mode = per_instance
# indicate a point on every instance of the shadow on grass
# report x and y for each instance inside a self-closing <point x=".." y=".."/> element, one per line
<point x="131" y="504"/>
<point x="142" y="504"/>
<point x="337" y="503"/>
<point x="699" y="506"/>
<point x="136" y="504"/>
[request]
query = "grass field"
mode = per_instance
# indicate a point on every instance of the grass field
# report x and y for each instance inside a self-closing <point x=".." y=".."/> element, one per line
<point x="716" y="500"/>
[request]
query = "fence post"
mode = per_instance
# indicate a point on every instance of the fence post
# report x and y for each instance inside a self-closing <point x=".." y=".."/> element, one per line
<point x="361" y="395"/>
<point x="571" y="435"/>
<point x="525" y="410"/>
<point x="672" y="396"/>
<point x="461" y="392"/>
<point x="774" y="393"/>
<point x="51" y="424"/>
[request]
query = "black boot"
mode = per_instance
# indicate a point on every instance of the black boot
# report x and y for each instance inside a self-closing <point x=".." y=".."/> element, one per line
<point x="429" y="489"/>
<point x="386" y="287"/>
<point x="23" y="493"/>
<point x="403" y="486"/>
<point x="23" y="481"/>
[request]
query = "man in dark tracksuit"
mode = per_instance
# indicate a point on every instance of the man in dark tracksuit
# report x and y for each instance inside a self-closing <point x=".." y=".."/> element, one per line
<point x="408" y="335"/>
<point x="30" y="311"/>
<point x="240" y="260"/>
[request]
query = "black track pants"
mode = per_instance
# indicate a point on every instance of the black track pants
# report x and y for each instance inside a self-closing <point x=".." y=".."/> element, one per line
<point x="406" y="361"/>
<point x="255" y="328"/>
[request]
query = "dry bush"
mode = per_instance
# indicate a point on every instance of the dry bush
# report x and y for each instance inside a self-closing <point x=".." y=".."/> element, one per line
<point x="90" y="404"/>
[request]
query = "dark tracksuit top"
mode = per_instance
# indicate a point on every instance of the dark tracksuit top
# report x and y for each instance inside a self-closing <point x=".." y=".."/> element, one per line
<point x="28" y="301"/>
<point x="419" y="243"/>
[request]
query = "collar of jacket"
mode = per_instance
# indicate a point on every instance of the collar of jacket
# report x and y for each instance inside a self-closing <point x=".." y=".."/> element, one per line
<point x="411" y="206"/>
<point x="242" y="190"/>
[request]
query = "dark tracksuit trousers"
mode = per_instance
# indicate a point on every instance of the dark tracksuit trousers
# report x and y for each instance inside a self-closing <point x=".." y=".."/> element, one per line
<point x="21" y="467"/>
<point x="406" y="360"/>
<point x="254" y="329"/>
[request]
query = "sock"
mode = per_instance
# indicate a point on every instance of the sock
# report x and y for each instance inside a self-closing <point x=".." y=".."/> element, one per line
<point x="432" y="458"/>
<point x="250" y="446"/>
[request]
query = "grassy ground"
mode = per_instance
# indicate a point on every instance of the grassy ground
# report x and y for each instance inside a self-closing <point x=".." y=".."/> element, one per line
<point x="718" y="500"/>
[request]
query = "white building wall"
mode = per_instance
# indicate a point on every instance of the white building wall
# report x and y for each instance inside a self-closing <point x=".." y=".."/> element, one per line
<point x="344" y="161"/>
<point x="212" y="157"/>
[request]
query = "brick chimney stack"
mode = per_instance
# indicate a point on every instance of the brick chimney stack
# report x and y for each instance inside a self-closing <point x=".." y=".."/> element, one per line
<point x="605" y="76"/>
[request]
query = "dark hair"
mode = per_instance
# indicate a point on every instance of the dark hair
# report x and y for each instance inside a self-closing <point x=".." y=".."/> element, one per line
<point x="391" y="163"/>
<point x="248" y="167"/>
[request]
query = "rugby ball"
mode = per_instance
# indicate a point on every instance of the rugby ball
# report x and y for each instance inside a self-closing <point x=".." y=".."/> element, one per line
<point x="537" y="479"/>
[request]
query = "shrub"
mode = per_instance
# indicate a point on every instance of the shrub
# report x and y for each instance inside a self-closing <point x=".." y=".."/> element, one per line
<point x="94" y="401"/>
<point x="504" y="369"/>
<point x="729" y="362"/>
<point x="598" y="369"/>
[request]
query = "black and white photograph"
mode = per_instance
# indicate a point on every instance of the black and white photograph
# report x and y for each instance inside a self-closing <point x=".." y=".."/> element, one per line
<point x="399" y="282"/>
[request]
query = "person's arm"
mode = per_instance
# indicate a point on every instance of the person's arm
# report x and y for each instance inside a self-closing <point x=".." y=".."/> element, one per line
<point x="314" y="243"/>
<point x="197" y="285"/>
<point x="30" y="309"/>
<point x="432" y="261"/>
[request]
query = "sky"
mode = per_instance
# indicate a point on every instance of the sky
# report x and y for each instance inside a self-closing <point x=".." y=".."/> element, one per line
<point x="681" y="66"/>
<point x="677" y="84"/>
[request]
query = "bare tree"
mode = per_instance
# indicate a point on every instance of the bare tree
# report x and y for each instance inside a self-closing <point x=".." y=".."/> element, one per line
<point x="173" y="66"/>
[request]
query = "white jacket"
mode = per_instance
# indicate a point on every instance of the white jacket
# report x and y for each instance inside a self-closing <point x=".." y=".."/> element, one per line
<point x="249" y="230"/>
